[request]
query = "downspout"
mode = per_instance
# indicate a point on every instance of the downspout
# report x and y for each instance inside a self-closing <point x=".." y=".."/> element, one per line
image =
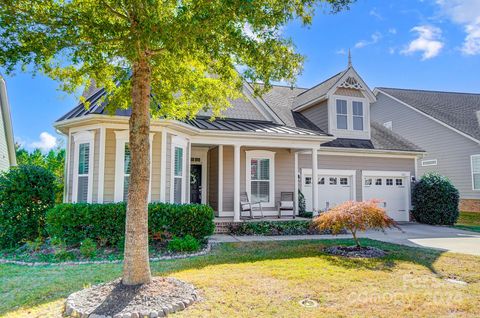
<point x="7" y="120"/>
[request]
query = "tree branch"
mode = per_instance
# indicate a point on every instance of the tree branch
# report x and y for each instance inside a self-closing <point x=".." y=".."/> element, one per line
<point x="118" y="14"/>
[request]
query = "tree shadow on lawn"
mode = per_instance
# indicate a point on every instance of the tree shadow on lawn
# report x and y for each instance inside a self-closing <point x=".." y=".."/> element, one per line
<point x="37" y="285"/>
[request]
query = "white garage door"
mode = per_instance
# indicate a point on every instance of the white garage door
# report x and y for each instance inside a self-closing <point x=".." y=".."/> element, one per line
<point x="392" y="191"/>
<point x="333" y="188"/>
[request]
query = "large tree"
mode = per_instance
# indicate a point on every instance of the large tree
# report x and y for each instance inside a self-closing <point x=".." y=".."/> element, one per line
<point x="162" y="58"/>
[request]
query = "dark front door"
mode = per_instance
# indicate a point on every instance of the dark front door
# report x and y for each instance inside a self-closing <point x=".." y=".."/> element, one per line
<point x="196" y="184"/>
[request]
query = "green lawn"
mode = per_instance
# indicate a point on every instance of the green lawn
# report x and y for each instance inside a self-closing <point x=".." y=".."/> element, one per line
<point x="269" y="279"/>
<point x="469" y="221"/>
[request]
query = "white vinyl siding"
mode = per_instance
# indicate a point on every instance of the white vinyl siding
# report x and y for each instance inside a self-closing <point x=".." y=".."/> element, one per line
<point x="476" y="172"/>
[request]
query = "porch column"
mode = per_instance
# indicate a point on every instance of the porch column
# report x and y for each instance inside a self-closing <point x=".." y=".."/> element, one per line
<point x="236" y="183"/>
<point x="163" y="166"/>
<point x="220" y="180"/>
<point x="314" y="181"/>
<point x="295" y="180"/>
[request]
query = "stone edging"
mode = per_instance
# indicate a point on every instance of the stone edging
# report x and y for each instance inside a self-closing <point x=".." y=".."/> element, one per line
<point x="204" y="251"/>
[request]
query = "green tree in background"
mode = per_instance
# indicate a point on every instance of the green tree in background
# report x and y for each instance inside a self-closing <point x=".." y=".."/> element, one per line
<point x="161" y="58"/>
<point x="53" y="161"/>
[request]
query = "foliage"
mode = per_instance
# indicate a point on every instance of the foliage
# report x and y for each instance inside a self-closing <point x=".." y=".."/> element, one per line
<point x="35" y="245"/>
<point x="53" y="161"/>
<point x="435" y="200"/>
<point x="301" y="204"/>
<point x="88" y="248"/>
<point x="26" y="193"/>
<point x="105" y="223"/>
<point x="294" y="227"/>
<point x="354" y="216"/>
<point x="183" y="244"/>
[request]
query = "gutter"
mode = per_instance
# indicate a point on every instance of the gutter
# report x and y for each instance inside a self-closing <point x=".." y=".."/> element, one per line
<point x="7" y="120"/>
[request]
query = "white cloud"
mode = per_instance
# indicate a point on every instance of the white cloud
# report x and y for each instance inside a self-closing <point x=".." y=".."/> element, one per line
<point x="467" y="14"/>
<point x="391" y="50"/>
<point x="341" y="52"/>
<point x="46" y="142"/>
<point x="374" y="38"/>
<point x="376" y="14"/>
<point x="392" y="31"/>
<point x="428" y="42"/>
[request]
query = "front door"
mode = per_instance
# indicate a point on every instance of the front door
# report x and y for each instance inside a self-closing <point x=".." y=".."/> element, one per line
<point x="196" y="184"/>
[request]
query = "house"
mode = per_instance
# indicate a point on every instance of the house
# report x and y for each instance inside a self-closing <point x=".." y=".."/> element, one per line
<point x="7" y="145"/>
<point x="262" y="146"/>
<point x="446" y="125"/>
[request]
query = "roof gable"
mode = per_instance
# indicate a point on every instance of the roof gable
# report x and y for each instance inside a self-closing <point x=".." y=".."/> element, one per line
<point x="456" y="110"/>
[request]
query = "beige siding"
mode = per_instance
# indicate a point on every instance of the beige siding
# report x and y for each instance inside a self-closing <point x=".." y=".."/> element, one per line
<point x="212" y="181"/>
<point x="318" y="114"/>
<point x="359" y="164"/>
<point x="156" y="162"/>
<point x="349" y="92"/>
<point x="228" y="178"/>
<point x="110" y="145"/>
<point x="169" y="167"/>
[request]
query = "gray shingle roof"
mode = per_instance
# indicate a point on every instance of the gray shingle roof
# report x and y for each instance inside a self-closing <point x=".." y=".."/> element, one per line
<point x="317" y="91"/>
<point x="381" y="139"/>
<point x="458" y="110"/>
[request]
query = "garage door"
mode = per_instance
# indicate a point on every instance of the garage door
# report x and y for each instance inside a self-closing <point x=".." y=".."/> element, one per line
<point x="392" y="191"/>
<point x="333" y="188"/>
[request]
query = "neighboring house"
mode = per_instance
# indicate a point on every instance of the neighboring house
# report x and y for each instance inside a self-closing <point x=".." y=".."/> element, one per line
<point x="262" y="146"/>
<point x="446" y="125"/>
<point x="7" y="145"/>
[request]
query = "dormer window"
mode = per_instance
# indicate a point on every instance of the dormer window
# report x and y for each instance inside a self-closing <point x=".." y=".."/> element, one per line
<point x="357" y="115"/>
<point x="342" y="115"/>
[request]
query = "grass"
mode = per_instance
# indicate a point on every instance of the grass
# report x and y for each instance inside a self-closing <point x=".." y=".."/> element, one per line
<point x="268" y="279"/>
<point x="469" y="221"/>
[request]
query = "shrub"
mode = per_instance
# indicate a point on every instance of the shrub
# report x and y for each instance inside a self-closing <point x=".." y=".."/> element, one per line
<point x="105" y="223"/>
<point x="273" y="228"/>
<point x="183" y="244"/>
<point x="302" y="207"/>
<point x="88" y="248"/>
<point x="63" y="256"/>
<point x="435" y="200"/>
<point x="354" y="216"/>
<point x="26" y="193"/>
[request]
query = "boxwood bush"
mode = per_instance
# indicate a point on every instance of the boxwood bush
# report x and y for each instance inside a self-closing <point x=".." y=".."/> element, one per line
<point x="435" y="200"/>
<point x="294" y="227"/>
<point x="27" y="192"/>
<point x="105" y="223"/>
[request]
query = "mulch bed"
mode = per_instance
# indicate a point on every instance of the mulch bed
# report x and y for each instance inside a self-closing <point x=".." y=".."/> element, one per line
<point x="162" y="296"/>
<point x="355" y="251"/>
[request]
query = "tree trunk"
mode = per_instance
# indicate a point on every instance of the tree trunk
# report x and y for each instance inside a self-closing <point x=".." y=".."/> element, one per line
<point x="136" y="266"/>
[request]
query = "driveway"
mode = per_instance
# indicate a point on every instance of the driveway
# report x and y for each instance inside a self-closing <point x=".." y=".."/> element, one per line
<point x="417" y="235"/>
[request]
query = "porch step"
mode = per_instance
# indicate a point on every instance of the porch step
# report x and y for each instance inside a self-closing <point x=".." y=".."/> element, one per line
<point x="222" y="227"/>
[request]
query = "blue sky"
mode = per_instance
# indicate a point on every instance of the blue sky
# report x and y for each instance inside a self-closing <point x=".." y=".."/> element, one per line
<point x="429" y="44"/>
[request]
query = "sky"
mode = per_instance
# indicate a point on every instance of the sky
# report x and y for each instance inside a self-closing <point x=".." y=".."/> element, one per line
<point x="419" y="44"/>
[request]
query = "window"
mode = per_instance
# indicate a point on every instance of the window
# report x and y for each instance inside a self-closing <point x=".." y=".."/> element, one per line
<point x="342" y="115"/>
<point x="308" y="181"/>
<point x="83" y="166"/>
<point x="178" y="175"/>
<point x="389" y="182"/>
<point x="475" y="172"/>
<point x="399" y="182"/>
<point x="378" y="181"/>
<point x="357" y="115"/>
<point x="430" y="162"/>
<point x="368" y="181"/>
<point x="260" y="177"/>
<point x="83" y="169"/>
<point x="333" y="181"/>
<point x="344" y="181"/>
<point x="126" y="171"/>
<point x="321" y="181"/>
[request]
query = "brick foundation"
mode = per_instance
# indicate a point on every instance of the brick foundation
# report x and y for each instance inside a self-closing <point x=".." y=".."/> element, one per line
<point x="469" y="205"/>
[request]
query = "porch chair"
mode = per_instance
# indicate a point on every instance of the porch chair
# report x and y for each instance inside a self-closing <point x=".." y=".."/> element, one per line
<point x="286" y="203"/>
<point x="247" y="206"/>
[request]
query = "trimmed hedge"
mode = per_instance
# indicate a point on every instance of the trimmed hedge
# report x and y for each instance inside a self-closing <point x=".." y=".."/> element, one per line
<point x="27" y="192"/>
<point x="435" y="200"/>
<point x="105" y="223"/>
<point x="272" y="228"/>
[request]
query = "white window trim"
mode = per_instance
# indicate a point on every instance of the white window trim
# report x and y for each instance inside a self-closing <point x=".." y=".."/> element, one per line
<point x="471" y="170"/>
<point x="122" y="137"/>
<point x="429" y="162"/>
<point x="83" y="137"/>
<point x="261" y="154"/>
<point x="337" y="114"/>
<point x="178" y="142"/>
<point x="362" y="116"/>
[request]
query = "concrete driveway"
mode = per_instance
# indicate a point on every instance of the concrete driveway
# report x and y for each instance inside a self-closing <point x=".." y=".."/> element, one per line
<point x="417" y="235"/>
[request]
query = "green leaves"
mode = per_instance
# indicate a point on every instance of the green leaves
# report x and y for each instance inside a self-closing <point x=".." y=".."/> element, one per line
<point x="194" y="48"/>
